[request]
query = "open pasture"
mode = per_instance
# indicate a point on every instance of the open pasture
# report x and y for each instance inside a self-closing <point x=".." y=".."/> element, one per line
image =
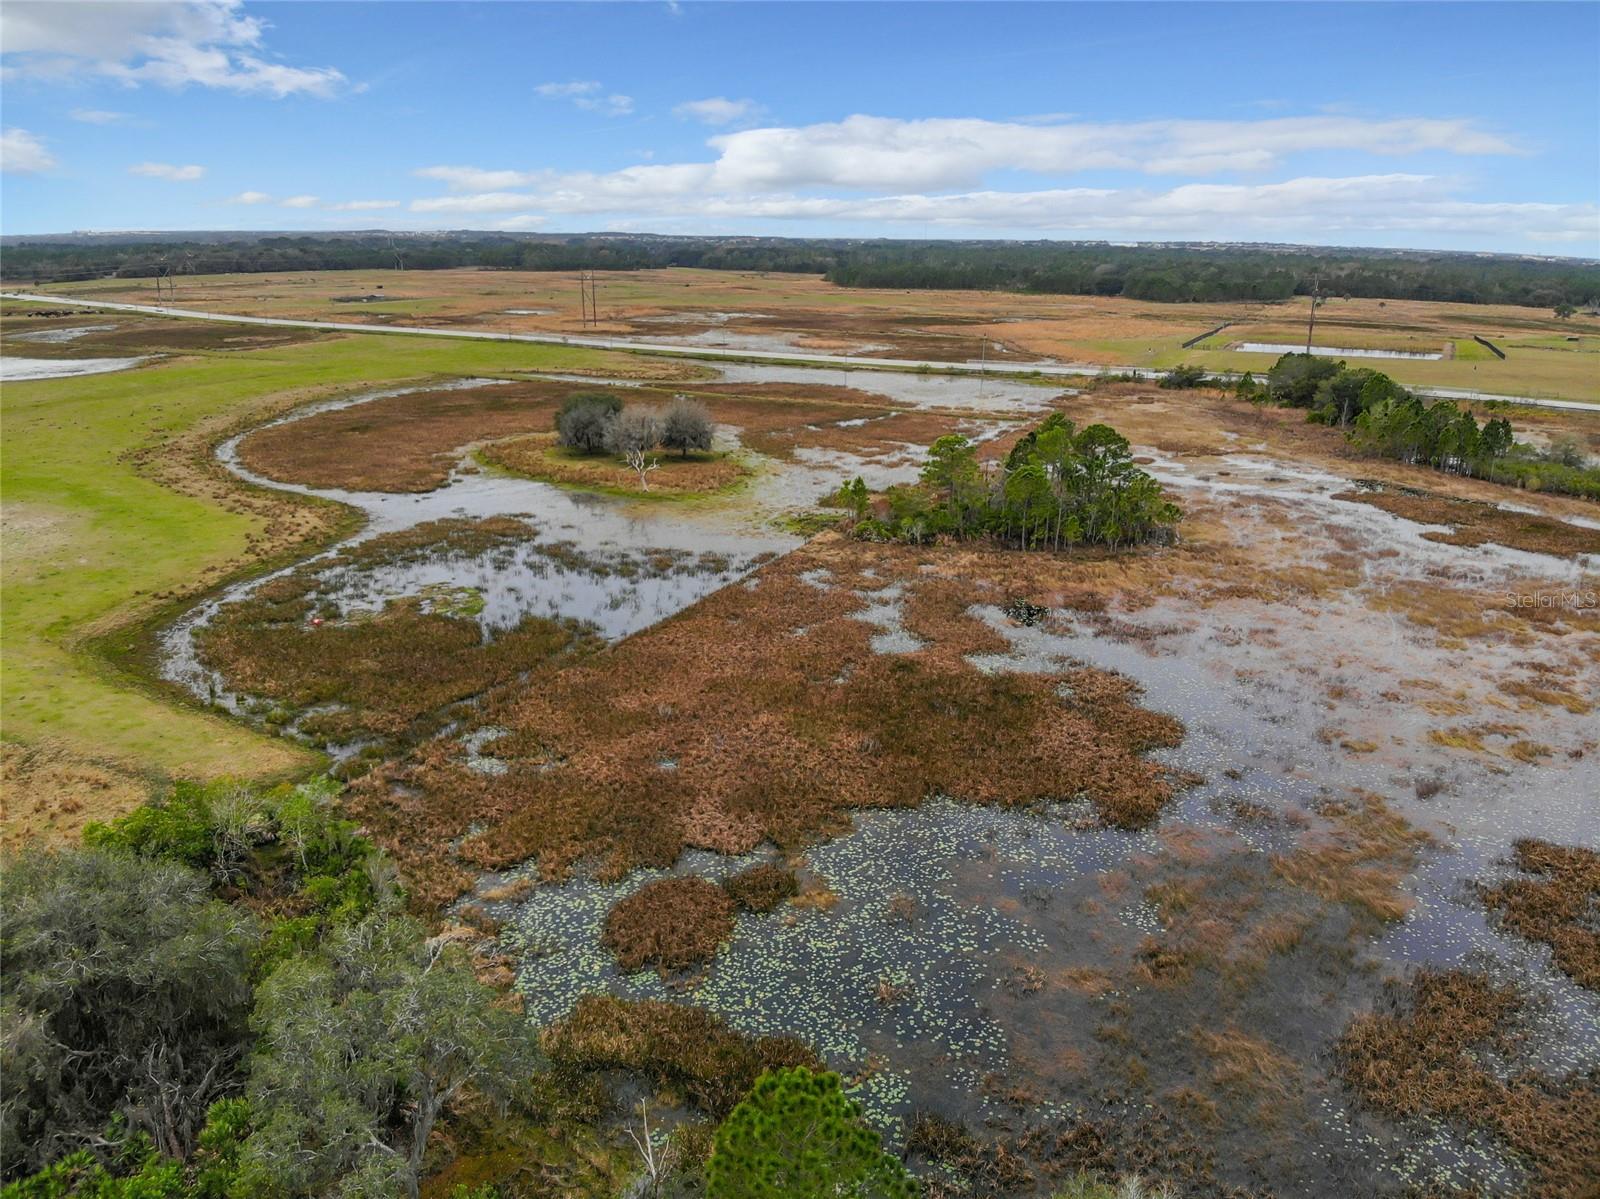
<point x="768" y="313"/>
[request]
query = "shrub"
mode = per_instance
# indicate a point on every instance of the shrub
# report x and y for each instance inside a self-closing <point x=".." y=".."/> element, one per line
<point x="1181" y="378"/>
<point x="581" y="423"/>
<point x="676" y="1045"/>
<point x="634" y="430"/>
<point x="672" y="923"/>
<point x="362" y="1046"/>
<point x="761" y="888"/>
<point x="127" y="993"/>
<point x="796" y="1136"/>
<point x="686" y="425"/>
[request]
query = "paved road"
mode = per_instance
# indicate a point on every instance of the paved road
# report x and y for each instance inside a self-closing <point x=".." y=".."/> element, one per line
<point x="1046" y="370"/>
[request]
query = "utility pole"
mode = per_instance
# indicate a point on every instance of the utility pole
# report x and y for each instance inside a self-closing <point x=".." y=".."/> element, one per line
<point x="588" y="301"/>
<point x="1316" y="294"/>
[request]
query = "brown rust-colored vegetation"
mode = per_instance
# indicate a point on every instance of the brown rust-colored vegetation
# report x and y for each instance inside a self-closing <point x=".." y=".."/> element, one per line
<point x="776" y="731"/>
<point x="1474" y="522"/>
<point x="761" y="888"/>
<point x="672" y="924"/>
<point x="681" y="1048"/>
<point x="411" y="442"/>
<point x="391" y="674"/>
<point x="1425" y="1056"/>
<point x="1557" y="905"/>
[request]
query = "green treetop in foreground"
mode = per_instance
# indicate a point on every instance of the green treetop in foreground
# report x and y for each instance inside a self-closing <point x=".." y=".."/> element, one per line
<point x="796" y="1136"/>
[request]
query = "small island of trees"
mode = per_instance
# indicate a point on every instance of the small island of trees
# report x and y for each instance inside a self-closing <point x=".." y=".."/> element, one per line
<point x="1058" y="487"/>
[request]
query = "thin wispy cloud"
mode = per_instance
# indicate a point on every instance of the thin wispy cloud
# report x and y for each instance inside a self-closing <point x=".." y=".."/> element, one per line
<point x="169" y="171"/>
<point x="588" y="95"/>
<point x="99" y="116"/>
<point x="717" y="110"/>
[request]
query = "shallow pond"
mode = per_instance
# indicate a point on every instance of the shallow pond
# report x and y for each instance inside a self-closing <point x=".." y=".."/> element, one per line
<point x="19" y="370"/>
<point x="1272" y="347"/>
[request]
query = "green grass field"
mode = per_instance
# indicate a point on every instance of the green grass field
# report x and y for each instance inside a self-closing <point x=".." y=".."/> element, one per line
<point x="92" y="544"/>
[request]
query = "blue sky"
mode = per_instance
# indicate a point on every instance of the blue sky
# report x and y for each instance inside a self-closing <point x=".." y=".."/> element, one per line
<point x="1471" y="126"/>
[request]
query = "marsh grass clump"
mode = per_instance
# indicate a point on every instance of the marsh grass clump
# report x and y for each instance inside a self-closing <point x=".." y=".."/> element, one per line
<point x="761" y="888"/>
<point x="1555" y="906"/>
<point x="672" y="924"/>
<point x="1426" y="1053"/>
<point x="687" y="1050"/>
<point x="390" y="675"/>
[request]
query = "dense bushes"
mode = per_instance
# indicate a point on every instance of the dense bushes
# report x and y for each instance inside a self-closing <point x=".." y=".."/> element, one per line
<point x="1060" y="486"/>
<point x="1384" y="418"/>
<point x="363" y="1043"/>
<point x="583" y="419"/>
<point x="127" y="995"/>
<point x="597" y="422"/>
<point x="133" y="989"/>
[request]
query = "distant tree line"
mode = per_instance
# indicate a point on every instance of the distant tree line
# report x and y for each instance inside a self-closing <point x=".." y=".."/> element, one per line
<point x="1168" y="273"/>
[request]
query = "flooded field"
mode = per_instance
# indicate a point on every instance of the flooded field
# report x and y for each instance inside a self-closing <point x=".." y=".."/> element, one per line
<point x="1302" y="739"/>
<point x="20" y="370"/>
<point x="1261" y="347"/>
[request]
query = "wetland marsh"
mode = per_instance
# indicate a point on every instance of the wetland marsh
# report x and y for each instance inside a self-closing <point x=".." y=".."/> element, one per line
<point x="1117" y="860"/>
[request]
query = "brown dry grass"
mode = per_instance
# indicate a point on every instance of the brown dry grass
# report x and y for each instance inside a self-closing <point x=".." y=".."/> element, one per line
<point x="412" y="442"/>
<point x="1423" y="1057"/>
<point x="538" y="457"/>
<point x="775" y="736"/>
<point x="1359" y="857"/>
<point x="1557" y="906"/>
<point x="672" y="924"/>
<point x="49" y="792"/>
<point x="687" y="1049"/>
<point x="390" y="674"/>
<point x="1473" y="522"/>
<point x="761" y="888"/>
<point x="401" y="443"/>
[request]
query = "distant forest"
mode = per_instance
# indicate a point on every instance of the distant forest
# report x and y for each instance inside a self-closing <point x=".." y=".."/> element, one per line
<point x="1167" y="272"/>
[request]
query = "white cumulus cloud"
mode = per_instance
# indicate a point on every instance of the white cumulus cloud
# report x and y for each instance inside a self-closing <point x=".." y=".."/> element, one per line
<point x="300" y="202"/>
<point x="172" y="43"/>
<point x="250" y="198"/>
<point x="21" y="153"/>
